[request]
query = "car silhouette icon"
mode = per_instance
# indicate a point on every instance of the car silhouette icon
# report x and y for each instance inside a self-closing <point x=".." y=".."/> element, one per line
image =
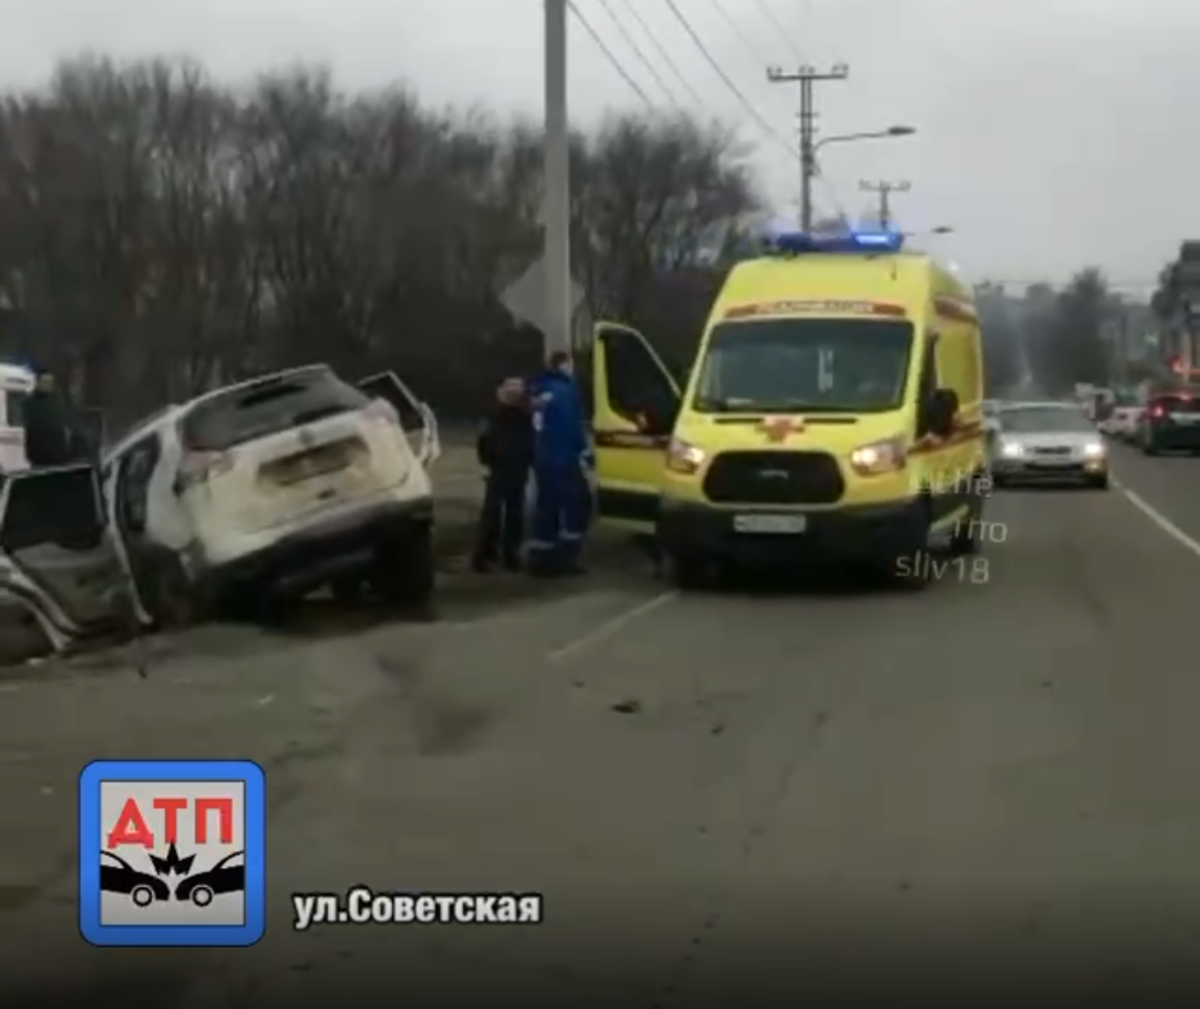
<point x="221" y="878"/>
<point x="142" y="887"/>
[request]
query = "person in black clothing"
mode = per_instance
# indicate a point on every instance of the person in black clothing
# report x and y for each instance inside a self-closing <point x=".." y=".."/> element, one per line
<point x="48" y="436"/>
<point x="505" y="449"/>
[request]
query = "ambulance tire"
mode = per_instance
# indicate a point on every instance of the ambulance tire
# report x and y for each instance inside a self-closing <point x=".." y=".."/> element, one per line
<point x="967" y="538"/>
<point x="916" y="577"/>
<point x="404" y="567"/>
<point x="691" y="572"/>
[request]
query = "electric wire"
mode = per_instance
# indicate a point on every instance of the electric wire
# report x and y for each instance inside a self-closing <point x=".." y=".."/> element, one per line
<point x="663" y="54"/>
<point x="651" y="69"/>
<point x="737" y="92"/>
<point x="750" y="45"/>
<point x="769" y="14"/>
<point x="608" y="54"/>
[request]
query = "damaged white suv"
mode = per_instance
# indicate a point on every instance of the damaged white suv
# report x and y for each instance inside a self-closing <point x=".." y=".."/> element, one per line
<point x="271" y="488"/>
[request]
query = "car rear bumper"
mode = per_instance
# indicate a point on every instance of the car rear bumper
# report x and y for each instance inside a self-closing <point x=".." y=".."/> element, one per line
<point x="866" y="533"/>
<point x="306" y="558"/>
<point x="1172" y="436"/>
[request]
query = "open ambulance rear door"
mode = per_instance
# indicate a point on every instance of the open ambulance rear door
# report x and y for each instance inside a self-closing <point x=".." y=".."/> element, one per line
<point x="635" y="402"/>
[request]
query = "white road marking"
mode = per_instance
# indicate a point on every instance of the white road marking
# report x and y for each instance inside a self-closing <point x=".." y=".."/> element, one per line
<point x="1158" y="518"/>
<point x="610" y="627"/>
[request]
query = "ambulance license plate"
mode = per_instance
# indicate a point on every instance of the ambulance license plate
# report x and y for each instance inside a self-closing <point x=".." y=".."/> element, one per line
<point x="771" y="525"/>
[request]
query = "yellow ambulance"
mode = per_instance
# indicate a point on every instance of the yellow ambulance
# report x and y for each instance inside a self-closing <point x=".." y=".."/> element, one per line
<point x="833" y="412"/>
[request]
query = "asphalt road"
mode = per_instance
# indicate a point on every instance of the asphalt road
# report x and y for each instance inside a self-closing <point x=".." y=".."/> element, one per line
<point x="750" y="796"/>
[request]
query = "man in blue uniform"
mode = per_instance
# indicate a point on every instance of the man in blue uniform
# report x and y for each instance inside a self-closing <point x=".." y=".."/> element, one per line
<point x="562" y="460"/>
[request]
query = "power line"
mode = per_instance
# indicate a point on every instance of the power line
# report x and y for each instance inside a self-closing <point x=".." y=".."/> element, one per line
<point x="663" y="54"/>
<point x="770" y="16"/>
<point x="608" y="53"/>
<point x="637" y="52"/>
<point x="754" y="114"/>
<point x="731" y="21"/>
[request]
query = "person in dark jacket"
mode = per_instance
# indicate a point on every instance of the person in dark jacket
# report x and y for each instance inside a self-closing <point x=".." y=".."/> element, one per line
<point x="48" y="436"/>
<point x="505" y="449"/>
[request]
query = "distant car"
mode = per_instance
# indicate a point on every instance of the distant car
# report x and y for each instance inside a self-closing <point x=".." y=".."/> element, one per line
<point x="991" y="410"/>
<point x="201" y="888"/>
<point x="143" y="888"/>
<point x="273" y="487"/>
<point x="1170" y="423"/>
<point x="1123" y="423"/>
<point x="1048" y="443"/>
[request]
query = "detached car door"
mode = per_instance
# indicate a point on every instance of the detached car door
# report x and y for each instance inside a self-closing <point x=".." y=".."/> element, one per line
<point x="59" y="558"/>
<point x="635" y="403"/>
<point x="416" y="417"/>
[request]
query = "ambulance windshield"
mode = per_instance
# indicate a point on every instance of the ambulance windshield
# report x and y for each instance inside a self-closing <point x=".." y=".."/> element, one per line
<point x="810" y="365"/>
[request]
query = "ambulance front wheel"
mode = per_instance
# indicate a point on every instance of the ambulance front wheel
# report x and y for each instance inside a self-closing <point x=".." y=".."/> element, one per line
<point x="691" y="572"/>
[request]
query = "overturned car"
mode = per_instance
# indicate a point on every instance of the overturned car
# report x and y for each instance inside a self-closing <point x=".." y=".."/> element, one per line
<point x="252" y="495"/>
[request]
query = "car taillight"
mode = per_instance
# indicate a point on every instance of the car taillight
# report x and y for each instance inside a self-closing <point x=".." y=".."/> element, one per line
<point x="381" y="410"/>
<point x="200" y="467"/>
<point x="1157" y="411"/>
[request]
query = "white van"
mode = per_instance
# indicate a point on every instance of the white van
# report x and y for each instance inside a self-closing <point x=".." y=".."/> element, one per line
<point x="274" y="487"/>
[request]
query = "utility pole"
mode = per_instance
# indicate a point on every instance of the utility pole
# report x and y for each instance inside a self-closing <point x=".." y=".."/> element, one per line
<point x="807" y="77"/>
<point x="556" y="206"/>
<point x="884" y="190"/>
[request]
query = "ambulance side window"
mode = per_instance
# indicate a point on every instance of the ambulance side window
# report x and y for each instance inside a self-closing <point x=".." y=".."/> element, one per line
<point x="636" y="385"/>
<point x="927" y="384"/>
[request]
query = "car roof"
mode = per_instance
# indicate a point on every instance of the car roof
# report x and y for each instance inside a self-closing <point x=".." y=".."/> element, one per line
<point x="250" y="383"/>
<point x="174" y="412"/>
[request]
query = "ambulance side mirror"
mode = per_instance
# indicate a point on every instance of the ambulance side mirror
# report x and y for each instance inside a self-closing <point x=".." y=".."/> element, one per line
<point x="655" y="420"/>
<point x="940" y="412"/>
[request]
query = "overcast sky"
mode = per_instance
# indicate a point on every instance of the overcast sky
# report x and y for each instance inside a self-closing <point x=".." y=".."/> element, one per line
<point x="1052" y="134"/>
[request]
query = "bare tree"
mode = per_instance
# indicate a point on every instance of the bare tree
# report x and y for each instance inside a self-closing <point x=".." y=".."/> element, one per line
<point x="161" y="233"/>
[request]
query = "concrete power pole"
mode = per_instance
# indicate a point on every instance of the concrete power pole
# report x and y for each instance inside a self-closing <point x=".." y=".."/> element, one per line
<point x="807" y="77"/>
<point x="884" y="190"/>
<point x="556" y="207"/>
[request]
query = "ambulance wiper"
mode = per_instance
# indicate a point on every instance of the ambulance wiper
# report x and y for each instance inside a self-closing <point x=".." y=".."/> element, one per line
<point x="791" y="406"/>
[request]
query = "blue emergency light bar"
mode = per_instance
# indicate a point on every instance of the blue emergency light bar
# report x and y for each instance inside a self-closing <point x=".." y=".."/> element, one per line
<point x="860" y="242"/>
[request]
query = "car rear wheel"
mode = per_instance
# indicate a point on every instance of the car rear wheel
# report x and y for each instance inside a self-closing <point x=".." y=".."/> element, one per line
<point x="169" y="596"/>
<point x="404" y="567"/>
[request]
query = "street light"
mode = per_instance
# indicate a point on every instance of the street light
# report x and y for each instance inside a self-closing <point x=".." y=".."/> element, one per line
<point x="943" y="229"/>
<point x="845" y="138"/>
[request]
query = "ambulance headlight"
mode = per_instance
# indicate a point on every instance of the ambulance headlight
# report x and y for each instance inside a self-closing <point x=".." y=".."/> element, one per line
<point x="885" y="456"/>
<point x="684" y="457"/>
<point x="1012" y="449"/>
<point x="1094" y="450"/>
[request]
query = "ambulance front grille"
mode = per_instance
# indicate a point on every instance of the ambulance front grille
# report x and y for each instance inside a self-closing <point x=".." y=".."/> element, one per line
<point x="774" y="478"/>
